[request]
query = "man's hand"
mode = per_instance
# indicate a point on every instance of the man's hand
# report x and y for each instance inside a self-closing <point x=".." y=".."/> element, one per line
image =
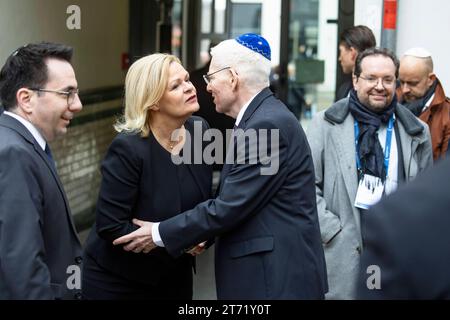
<point x="198" y="249"/>
<point x="140" y="240"/>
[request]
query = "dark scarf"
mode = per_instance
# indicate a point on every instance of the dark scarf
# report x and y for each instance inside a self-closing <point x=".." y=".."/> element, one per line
<point x="416" y="106"/>
<point x="370" y="151"/>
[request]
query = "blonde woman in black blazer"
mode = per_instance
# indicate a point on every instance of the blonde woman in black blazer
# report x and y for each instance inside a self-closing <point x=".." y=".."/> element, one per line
<point x="141" y="180"/>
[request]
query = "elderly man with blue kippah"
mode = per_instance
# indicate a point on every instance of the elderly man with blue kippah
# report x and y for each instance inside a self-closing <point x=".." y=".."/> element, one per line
<point x="264" y="217"/>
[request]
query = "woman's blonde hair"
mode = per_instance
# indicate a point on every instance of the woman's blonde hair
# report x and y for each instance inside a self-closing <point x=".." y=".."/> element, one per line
<point x="145" y="84"/>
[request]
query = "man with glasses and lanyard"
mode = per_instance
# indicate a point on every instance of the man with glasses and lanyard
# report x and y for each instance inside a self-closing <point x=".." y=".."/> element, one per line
<point x="38" y="241"/>
<point x="363" y="147"/>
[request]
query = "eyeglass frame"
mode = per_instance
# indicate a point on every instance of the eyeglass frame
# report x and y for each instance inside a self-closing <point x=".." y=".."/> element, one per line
<point x="371" y="80"/>
<point x="207" y="77"/>
<point x="72" y="92"/>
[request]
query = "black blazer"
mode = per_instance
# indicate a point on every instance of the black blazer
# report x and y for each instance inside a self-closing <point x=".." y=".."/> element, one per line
<point x="129" y="190"/>
<point x="268" y="242"/>
<point x="408" y="239"/>
<point x="38" y="241"/>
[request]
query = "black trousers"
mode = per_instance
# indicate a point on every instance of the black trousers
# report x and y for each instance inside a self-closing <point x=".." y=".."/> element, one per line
<point x="99" y="283"/>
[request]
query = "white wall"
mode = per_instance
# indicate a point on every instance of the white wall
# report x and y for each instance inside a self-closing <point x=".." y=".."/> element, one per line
<point x="370" y="13"/>
<point x="328" y="38"/>
<point x="426" y="24"/>
<point x="97" y="46"/>
<point x="419" y="24"/>
<point x="270" y="25"/>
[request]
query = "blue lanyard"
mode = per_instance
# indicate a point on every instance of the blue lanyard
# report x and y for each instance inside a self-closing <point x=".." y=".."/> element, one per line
<point x="387" y="148"/>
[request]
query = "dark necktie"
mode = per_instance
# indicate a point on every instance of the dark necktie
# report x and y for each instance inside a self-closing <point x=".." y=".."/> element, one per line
<point x="228" y="159"/>
<point x="48" y="152"/>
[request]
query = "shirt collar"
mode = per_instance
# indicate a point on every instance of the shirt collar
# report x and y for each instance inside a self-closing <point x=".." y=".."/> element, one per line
<point x="428" y="103"/>
<point x="242" y="111"/>
<point x="30" y="127"/>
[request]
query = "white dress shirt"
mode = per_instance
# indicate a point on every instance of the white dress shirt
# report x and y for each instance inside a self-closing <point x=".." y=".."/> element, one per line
<point x="30" y="127"/>
<point x="428" y="103"/>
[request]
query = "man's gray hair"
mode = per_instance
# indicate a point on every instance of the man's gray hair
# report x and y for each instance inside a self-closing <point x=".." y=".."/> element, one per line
<point x="253" y="68"/>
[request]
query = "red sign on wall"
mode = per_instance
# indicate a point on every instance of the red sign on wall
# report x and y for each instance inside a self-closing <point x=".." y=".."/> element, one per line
<point x="390" y="14"/>
<point x="125" y="60"/>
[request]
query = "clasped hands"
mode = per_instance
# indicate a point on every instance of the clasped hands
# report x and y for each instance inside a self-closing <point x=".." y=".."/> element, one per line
<point x="141" y="240"/>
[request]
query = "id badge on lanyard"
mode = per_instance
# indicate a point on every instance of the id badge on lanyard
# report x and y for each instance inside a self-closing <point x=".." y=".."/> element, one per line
<point x="370" y="188"/>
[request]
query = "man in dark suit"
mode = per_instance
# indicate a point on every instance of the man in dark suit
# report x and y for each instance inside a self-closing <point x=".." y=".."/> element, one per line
<point x="264" y="216"/>
<point x="407" y="253"/>
<point x="40" y="254"/>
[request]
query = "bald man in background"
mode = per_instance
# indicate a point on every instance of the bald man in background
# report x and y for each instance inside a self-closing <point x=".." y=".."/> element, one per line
<point x="422" y="93"/>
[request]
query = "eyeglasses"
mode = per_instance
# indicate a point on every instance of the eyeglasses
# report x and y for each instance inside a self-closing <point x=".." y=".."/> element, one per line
<point x="373" y="81"/>
<point x="207" y="77"/>
<point x="70" y="95"/>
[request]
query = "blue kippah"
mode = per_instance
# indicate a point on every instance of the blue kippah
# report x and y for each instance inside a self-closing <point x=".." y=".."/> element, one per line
<point x="255" y="43"/>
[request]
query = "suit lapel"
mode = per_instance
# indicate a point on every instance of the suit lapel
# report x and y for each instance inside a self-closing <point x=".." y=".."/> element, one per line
<point x="197" y="169"/>
<point x="409" y="146"/>
<point x="253" y="106"/>
<point x="225" y="170"/>
<point x="15" y="125"/>
<point x="229" y="160"/>
<point x="256" y="102"/>
<point x="195" y="172"/>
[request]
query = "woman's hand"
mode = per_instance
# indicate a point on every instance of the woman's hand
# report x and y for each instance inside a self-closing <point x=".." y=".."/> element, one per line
<point x="198" y="249"/>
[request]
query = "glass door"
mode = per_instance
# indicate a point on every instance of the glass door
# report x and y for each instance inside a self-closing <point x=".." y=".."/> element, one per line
<point x="311" y="56"/>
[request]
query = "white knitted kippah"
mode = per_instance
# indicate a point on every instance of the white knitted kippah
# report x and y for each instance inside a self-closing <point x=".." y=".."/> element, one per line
<point x="418" y="53"/>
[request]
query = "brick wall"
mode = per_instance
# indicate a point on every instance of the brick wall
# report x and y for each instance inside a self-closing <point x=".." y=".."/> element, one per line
<point x="78" y="156"/>
<point x="79" y="153"/>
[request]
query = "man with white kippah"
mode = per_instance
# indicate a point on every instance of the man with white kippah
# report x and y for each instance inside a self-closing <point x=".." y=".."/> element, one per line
<point x="422" y="93"/>
<point x="266" y="226"/>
